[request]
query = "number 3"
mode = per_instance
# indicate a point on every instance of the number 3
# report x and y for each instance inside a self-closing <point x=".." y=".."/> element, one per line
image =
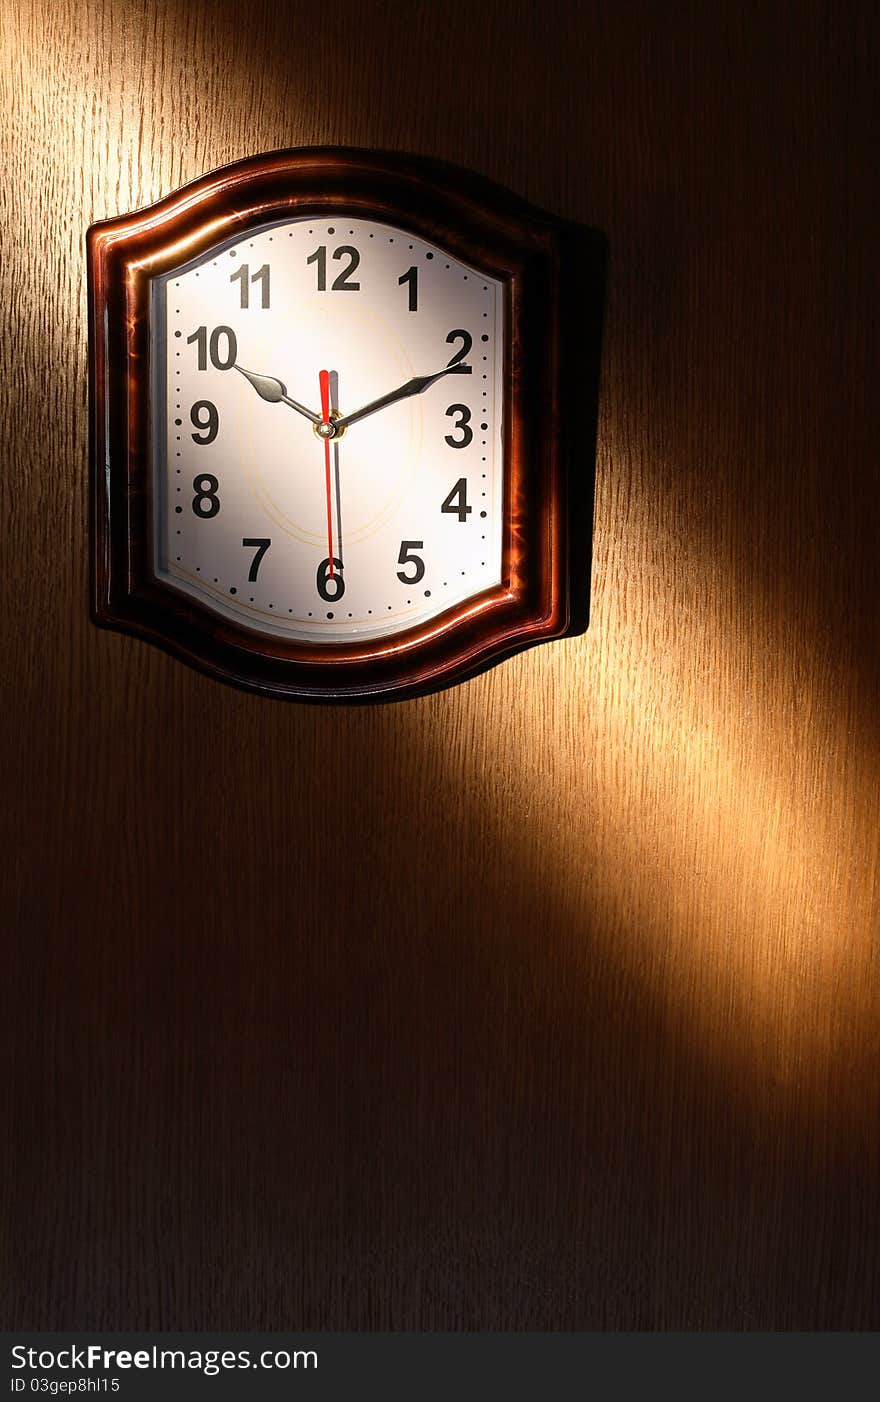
<point x="463" y="423"/>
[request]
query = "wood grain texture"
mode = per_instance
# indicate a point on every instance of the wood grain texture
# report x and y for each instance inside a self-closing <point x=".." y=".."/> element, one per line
<point x="550" y="1001"/>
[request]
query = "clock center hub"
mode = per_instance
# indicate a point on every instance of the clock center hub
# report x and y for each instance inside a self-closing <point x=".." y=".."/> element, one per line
<point x="329" y="431"/>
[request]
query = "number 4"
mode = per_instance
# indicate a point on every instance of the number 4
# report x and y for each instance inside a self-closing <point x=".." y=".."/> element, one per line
<point x="458" y="507"/>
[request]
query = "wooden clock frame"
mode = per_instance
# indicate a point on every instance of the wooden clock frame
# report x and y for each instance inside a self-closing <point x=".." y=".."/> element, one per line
<point x="553" y="275"/>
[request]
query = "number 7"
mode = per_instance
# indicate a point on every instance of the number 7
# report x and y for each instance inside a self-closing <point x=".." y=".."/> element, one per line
<point x="262" y="547"/>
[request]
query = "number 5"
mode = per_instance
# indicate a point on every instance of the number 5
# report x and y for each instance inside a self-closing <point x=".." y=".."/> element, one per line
<point x="406" y="557"/>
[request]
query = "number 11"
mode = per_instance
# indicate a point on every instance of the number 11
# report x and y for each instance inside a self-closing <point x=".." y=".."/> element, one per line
<point x="262" y="276"/>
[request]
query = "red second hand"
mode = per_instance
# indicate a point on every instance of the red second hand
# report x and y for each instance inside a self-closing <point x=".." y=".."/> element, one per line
<point x="324" y="382"/>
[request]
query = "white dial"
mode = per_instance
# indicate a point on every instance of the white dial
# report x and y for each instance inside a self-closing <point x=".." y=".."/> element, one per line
<point x="278" y="502"/>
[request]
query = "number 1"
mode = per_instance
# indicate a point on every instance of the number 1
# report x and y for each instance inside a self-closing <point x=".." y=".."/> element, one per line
<point x="412" y="277"/>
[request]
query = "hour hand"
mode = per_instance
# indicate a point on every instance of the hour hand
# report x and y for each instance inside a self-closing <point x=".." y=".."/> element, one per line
<point x="414" y="386"/>
<point x="274" y="392"/>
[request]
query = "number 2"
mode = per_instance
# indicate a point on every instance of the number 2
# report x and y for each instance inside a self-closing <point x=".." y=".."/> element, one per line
<point x="467" y="341"/>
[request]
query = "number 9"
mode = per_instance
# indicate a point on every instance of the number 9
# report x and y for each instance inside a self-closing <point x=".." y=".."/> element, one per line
<point x="209" y="425"/>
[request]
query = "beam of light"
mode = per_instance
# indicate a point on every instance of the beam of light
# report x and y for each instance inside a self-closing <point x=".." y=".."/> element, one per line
<point x="690" y="812"/>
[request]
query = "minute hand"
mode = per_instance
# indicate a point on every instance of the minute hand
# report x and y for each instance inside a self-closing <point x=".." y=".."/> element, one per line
<point x="414" y="386"/>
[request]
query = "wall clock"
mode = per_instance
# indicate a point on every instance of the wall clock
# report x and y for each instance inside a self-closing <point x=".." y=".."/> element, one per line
<point x="343" y="414"/>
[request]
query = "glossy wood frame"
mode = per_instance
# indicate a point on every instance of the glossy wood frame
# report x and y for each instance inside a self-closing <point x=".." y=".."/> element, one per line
<point x="553" y="273"/>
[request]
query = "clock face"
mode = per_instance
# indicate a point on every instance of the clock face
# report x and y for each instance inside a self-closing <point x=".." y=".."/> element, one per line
<point x="287" y="499"/>
<point x="342" y="415"/>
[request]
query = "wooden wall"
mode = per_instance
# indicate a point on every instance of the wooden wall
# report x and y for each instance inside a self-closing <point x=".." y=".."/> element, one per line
<point x="550" y="1001"/>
